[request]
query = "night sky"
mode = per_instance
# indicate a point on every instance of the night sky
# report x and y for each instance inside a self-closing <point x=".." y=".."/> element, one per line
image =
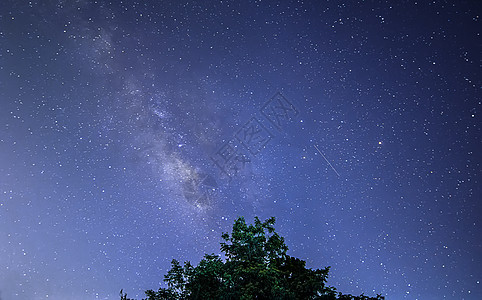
<point x="134" y="133"/>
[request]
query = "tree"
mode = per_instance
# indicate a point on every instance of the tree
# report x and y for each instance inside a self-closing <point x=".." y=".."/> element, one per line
<point x="256" y="267"/>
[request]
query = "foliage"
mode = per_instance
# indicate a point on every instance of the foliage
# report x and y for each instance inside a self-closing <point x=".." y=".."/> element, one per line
<point x="256" y="267"/>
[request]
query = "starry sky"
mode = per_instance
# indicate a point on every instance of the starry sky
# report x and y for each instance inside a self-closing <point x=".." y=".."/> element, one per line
<point x="132" y="133"/>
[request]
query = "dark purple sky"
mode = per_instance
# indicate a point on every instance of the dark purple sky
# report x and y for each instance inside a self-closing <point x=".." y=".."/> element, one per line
<point x="132" y="134"/>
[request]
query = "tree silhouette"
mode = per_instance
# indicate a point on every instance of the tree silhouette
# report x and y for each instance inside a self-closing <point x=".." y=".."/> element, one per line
<point x="256" y="267"/>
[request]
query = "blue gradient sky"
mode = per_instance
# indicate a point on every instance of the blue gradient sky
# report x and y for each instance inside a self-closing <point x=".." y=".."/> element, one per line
<point x="112" y="116"/>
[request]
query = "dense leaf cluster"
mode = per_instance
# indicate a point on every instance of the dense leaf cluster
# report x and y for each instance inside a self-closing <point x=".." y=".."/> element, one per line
<point x="256" y="267"/>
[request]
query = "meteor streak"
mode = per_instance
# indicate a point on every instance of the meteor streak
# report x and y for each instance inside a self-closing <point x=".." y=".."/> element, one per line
<point x="327" y="160"/>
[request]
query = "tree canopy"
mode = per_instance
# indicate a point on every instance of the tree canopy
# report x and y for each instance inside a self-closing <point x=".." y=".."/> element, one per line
<point x="255" y="266"/>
